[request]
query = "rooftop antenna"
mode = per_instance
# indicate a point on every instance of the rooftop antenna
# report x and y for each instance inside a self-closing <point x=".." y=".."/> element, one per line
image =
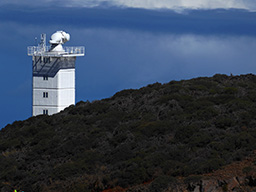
<point x="36" y="41"/>
<point x="43" y="41"/>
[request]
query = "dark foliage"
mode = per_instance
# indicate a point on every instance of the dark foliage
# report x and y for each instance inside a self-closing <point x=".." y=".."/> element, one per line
<point x="152" y="134"/>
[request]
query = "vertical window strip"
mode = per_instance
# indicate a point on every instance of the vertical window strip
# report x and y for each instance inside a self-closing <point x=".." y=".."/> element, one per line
<point x="45" y="111"/>
<point x="45" y="94"/>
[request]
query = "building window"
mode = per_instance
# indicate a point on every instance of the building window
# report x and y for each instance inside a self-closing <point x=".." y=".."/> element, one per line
<point x="47" y="60"/>
<point x="45" y="94"/>
<point x="45" y="78"/>
<point x="45" y="111"/>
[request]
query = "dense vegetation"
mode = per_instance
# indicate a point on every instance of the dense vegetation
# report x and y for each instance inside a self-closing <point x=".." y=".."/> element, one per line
<point x="154" y="134"/>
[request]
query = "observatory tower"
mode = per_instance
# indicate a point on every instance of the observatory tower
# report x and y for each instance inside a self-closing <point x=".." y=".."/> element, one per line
<point x="53" y="74"/>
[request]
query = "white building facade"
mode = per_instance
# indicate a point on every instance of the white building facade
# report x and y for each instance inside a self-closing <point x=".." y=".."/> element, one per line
<point x="53" y="76"/>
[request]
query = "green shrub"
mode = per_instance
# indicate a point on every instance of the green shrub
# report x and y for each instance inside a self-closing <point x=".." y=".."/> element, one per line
<point x="230" y="90"/>
<point x="221" y="99"/>
<point x="66" y="170"/>
<point x="192" y="179"/>
<point x="200" y="139"/>
<point x="206" y="114"/>
<point x="224" y="122"/>
<point x="153" y="128"/>
<point x="183" y="134"/>
<point x="161" y="183"/>
<point x="220" y="77"/>
<point x="211" y="165"/>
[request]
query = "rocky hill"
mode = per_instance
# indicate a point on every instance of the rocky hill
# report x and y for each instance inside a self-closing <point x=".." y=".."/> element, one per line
<point x="191" y="135"/>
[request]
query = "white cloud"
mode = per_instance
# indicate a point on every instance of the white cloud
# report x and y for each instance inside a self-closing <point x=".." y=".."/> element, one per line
<point x="145" y="4"/>
<point x="174" y="4"/>
<point x="170" y="4"/>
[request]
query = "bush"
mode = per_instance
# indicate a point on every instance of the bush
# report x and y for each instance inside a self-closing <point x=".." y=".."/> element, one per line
<point x="161" y="183"/>
<point x="211" y="165"/>
<point x="224" y="122"/>
<point x="230" y="90"/>
<point x="66" y="170"/>
<point x="154" y="128"/>
<point x="192" y="179"/>
<point x="183" y="134"/>
<point x="200" y="139"/>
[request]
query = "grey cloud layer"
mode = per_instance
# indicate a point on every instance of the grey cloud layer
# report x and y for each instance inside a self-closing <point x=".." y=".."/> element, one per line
<point x="144" y="4"/>
<point x="204" y="22"/>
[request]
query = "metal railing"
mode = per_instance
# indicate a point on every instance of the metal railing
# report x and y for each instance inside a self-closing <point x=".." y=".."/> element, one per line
<point x="45" y="51"/>
<point x="75" y="50"/>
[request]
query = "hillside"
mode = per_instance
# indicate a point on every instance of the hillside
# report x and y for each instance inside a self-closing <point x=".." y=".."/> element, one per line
<point x="160" y="137"/>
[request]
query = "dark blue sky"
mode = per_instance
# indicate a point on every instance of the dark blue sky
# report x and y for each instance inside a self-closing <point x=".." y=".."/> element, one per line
<point x="126" y="47"/>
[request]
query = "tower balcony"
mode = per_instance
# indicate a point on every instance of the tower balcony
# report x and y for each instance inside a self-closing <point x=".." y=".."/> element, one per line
<point x="45" y="51"/>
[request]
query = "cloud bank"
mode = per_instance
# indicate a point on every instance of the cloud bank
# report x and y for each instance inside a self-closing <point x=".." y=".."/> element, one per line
<point x="143" y="4"/>
<point x="187" y="4"/>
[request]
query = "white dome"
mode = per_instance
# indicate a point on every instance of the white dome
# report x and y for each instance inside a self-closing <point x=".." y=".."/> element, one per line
<point x="59" y="37"/>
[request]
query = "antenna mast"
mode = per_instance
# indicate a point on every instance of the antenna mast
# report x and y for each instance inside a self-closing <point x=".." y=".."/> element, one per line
<point x="43" y="41"/>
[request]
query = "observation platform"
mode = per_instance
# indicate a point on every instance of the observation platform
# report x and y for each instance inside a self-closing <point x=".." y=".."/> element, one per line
<point x="45" y="51"/>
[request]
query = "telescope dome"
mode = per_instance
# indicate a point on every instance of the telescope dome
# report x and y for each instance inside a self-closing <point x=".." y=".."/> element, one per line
<point x="59" y="37"/>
